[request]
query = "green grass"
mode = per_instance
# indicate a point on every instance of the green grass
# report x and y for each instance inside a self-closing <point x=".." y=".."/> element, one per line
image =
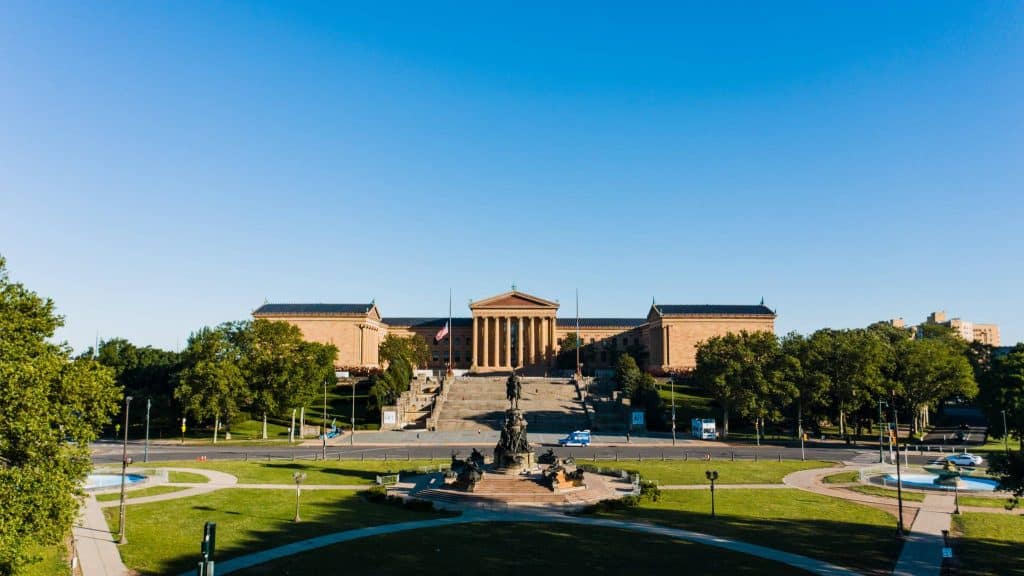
<point x="141" y="493"/>
<point x="887" y="492"/>
<point x="842" y="478"/>
<point x="692" y="471"/>
<point x="990" y="544"/>
<point x="983" y="502"/>
<point x="818" y="526"/>
<point x="186" y="477"/>
<point x="163" y="537"/>
<point x="522" y="548"/>
<point x="52" y="559"/>
<point x="318" y="472"/>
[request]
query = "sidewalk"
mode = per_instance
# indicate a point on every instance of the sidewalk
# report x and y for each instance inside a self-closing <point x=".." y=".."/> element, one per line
<point x="97" y="552"/>
<point x="922" y="551"/>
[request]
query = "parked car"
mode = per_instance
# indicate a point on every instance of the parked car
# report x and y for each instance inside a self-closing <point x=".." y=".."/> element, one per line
<point x="577" y="438"/>
<point x="965" y="459"/>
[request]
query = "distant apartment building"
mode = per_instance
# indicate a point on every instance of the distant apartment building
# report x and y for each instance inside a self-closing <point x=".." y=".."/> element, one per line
<point x="970" y="331"/>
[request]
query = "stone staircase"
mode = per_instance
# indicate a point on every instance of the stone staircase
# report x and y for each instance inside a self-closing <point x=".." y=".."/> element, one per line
<point x="417" y="402"/>
<point x="475" y="403"/>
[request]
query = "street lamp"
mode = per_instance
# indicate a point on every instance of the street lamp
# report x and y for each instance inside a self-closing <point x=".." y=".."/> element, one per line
<point x="881" y="455"/>
<point x="672" y="383"/>
<point x="299" y="477"/>
<point x="124" y="468"/>
<point x="145" y="454"/>
<point x="1006" y="447"/>
<point x="323" y="423"/>
<point x="899" y="477"/>
<point x="712" y="475"/>
<point x="352" y="434"/>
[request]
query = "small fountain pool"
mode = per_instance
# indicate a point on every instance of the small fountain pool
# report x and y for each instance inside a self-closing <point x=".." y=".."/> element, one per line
<point x="968" y="483"/>
<point x="99" y="481"/>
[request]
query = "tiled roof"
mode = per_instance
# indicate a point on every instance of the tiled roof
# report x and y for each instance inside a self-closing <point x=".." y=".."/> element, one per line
<point x="713" y="310"/>
<point x="602" y="322"/>
<point x="426" y="322"/>
<point x="313" y="309"/>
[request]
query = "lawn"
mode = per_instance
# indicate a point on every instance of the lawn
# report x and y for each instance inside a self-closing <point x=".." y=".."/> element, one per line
<point x="522" y="548"/>
<point x="317" y="472"/>
<point x="983" y="502"/>
<point x="887" y="492"/>
<point x="670" y="472"/>
<point x="186" y="477"/>
<point x="818" y="526"/>
<point x="163" y="537"/>
<point x="141" y="493"/>
<point x="990" y="544"/>
<point x="842" y="478"/>
<point x="53" y="559"/>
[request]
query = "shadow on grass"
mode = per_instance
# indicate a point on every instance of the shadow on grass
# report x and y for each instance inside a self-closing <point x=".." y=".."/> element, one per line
<point x="865" y="545"/>
<point x="164" y="537"/>
<point x="367" y="475"/>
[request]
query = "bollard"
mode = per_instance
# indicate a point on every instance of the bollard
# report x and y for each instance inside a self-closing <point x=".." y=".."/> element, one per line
<point x="408" y="456"/>
<point x="780" y="456"/>
<point x="755" y="455"/>
<point x="733" y="456"/>
<point x="385" y="455"/>
<point x="339" y="456"/>
<point x="362" y="456"/>
<point x="616" y="455"/>
<point x="268" y="458"/>
<point x="662" y="455"/>
<point x="245" y="456"/>
<point x="686" y="456"/>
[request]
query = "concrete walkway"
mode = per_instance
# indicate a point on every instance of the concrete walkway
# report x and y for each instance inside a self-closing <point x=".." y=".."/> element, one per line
<point x="922" y="551"/>
<point x="802" y="562"/>
<point x="97" y="552"/>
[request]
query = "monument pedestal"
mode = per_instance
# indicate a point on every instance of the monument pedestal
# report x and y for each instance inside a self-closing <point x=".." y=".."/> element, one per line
<point x="513" y="454"/>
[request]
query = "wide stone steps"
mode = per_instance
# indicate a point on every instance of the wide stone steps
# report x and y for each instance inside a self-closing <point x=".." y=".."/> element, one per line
<point x="480" y="403"/>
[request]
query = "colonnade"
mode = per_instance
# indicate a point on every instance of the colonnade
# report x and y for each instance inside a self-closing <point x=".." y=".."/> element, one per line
<point x="504" y="342"/>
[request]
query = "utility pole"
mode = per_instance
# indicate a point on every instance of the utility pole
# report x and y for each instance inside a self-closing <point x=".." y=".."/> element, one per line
<point x="881" y="454"/>
<point x="124" y="468"/>
<point x="579" y="375"/>
<point x="352" y="433"/>
<point x="899" y="477"/>
<point x="324" y="423"/>
<point x="672" y="382"/>
<point x="145" y="453"/>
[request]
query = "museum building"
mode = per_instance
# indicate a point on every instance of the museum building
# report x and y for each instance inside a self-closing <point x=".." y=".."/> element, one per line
<point x="515" y="329"/>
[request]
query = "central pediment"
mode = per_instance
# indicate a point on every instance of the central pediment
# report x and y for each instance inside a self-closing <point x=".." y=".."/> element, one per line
<point x="514" y="299"/>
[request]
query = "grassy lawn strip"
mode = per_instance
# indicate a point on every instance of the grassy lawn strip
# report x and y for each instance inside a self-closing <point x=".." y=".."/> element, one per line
<point x="842" y="478"/>
<point x="318" y="472"/>
<point x="887" y="492"/>
<point x="983" y="502"/>
<point x="141" y="493"/>
<point x="163" y="537"/>
<point x="525" y="548"/>
<point x="692" y="471"/>
<point x="186" y="477"/>
<point x="830" y="529"/>
<point x="990" y="544"/>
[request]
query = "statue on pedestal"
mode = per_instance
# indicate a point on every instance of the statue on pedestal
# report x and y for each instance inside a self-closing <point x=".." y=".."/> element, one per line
<point x="513" y="449"/>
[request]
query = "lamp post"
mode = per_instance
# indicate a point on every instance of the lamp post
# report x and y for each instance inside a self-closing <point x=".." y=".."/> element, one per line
<point x="881" y="454"/>
<point x="712" y="475"/>
<point x="124" y="468"/>
<point x="672" y="383"/>
<point x="1006" y="447"/>
<point x="899" y="477"/>
<point x="145" y="453"/>
<point x="299" y="477"/>
<point x="352" y="433"/>
<point x="324" y="423"/>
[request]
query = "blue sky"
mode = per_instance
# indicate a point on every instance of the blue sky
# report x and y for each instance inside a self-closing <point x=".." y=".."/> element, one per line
<point x="165" y="166"/>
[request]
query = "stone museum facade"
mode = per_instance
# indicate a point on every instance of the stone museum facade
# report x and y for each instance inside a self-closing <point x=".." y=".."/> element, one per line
<point x="519" y="330"/>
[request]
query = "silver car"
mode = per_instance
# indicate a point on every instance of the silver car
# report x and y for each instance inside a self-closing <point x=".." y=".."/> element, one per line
<point x="965" y="459"/>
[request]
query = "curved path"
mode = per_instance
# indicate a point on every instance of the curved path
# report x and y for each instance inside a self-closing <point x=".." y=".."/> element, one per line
<point x="802" y="562"/>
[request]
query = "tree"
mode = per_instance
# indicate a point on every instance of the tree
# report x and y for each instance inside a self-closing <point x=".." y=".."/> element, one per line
<point x="566" y="357"/>
<point x="414" y="349"/>
<point x="627" y="374"/>
<point x="1003" y="390"/>
<point x="931" y="370"/>
<point x="386" y="387"/>
<point x="279" y="367"/>
<point x="139" y="370"/>
<point x="211" y="384"/>
<point x="734" y="369"/>
<point x="851" y="362"/>
<point x="809" y="387"/>
<point x="53" y="406"/>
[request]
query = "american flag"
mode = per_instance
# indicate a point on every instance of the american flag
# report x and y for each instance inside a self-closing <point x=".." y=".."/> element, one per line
<point x="441" y="333"/>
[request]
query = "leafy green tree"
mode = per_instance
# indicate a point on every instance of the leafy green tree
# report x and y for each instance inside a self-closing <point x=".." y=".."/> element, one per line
<point x="808" y="386"/>
<point x="211" y="384"/>
<point x="1002" y="389"/>
<point x="414" y="349"/>
<point x="734" y="370"/>
<point x="386" y="387"/>
<point x="851" y="362"/>
<point x="566" y="357"/>
<point x="280" y="368"/>
<point x="644" y="394"/>
<point x="141" y="371"/>
<point x="627" y="374"/>
<point x="931" y="370"/>
<point x="52" y="407"/>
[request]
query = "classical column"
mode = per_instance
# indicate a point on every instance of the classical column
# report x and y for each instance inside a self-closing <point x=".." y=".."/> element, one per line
<point x="508" y="341"/>
<point x="473" y="341"/>
<point x="544" y="342"/>
<point x="486" y="356"/>
<point x="553" y="324"/>
<point x="519" y="340"/>
<point x="362" y="348"/>
<point x="532" y="348"/>
<point x="664" y="346"/>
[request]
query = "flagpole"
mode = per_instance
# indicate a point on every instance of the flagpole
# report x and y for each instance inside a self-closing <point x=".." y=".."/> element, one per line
<point x="578" y="374"/>
<point x="450" y="330"/>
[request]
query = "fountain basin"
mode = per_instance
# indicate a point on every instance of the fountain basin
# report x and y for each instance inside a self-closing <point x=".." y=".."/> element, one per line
<point x="101" y="481"/>
<point x="967" y="483"/>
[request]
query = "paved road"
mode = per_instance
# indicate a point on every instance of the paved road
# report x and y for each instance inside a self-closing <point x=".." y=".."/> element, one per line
<point x="107" y="453"/>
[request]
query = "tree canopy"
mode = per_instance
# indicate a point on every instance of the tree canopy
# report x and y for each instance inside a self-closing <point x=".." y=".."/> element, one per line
<point x="53" y="406"/>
